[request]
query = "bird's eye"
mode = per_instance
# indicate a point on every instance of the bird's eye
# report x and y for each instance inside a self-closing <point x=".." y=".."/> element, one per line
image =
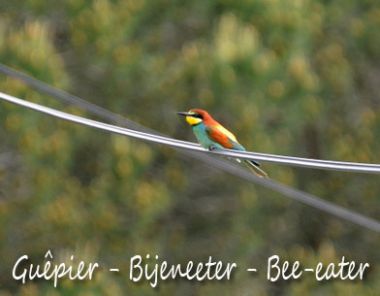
<point x="197" y="115"/>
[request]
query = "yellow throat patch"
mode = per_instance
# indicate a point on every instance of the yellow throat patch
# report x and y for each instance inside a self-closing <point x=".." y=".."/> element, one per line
<point x="193" y="120"/>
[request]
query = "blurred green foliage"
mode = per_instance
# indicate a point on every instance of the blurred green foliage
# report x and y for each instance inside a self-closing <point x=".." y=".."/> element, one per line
<point x="292" y="77"/>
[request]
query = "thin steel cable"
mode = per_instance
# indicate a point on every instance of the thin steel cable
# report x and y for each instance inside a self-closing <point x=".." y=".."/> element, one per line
<point x="116" y="118"/>
<point x="209" y="159"/>
<point x="344" y="166"/>
<point x="303" y="197"/>
<point x="8" y="159"/>
<point x="72" y="99"/>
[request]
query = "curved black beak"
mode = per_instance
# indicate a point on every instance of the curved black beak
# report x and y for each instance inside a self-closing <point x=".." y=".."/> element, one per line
<point x="184" y="113"/>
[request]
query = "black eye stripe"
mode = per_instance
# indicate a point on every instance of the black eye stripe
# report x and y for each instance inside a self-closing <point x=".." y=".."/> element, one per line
<point x="197" y="116"/>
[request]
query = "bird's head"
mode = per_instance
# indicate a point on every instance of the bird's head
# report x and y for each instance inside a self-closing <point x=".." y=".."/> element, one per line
<point x="195" y="116"/>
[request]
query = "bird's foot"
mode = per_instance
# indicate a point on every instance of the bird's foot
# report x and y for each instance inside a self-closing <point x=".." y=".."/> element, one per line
<point x="212" y="148"/>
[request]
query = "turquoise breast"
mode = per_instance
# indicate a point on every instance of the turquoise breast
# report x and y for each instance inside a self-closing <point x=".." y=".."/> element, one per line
<point x="202" y="137"/>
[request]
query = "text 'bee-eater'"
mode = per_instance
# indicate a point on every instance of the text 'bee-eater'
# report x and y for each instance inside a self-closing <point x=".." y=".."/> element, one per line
<point x="213" y="136"/>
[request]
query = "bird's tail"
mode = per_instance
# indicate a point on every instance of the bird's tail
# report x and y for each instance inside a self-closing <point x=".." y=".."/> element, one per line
<point x="255" y="168"/>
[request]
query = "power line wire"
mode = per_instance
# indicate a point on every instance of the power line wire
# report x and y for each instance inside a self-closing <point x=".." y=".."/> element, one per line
<point x="292" y="193"/>
<point x="116" y="118"/>
<point x="70" y="99"/>
<point x="333" y="165"/>
<point x="7" y="159"/>
<point x="210" y="159"/>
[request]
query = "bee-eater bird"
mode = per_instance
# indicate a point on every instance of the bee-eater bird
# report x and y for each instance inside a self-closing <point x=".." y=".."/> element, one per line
<point x="213" y="136"/>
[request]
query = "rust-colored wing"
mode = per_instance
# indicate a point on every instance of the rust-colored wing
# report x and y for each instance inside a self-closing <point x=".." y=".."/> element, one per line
<point x="224" y="137"/>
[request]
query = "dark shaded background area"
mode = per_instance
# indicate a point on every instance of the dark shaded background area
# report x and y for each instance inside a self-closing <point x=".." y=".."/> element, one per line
<point x="292" y="77"/>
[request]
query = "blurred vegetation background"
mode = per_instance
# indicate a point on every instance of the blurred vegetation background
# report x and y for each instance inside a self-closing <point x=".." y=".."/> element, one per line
<point x="300" y="78"/>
